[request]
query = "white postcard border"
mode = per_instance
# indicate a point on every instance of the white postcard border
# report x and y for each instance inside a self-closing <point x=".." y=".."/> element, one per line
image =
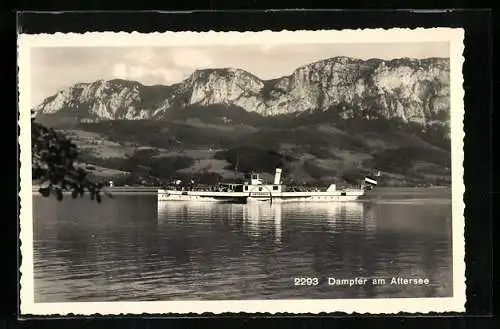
<point x="373" y="306"/>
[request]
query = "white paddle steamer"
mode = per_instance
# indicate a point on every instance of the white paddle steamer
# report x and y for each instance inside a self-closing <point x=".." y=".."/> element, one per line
<point x="257" y="190"/>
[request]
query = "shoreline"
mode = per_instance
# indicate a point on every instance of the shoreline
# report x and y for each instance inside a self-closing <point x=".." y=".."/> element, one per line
<point x="149" y="190"/>
<point x="117" y="190"/>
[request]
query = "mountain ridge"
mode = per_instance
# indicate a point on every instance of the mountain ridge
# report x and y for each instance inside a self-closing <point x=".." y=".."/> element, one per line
<point x="333" y="120"/>
<point x="413" y="90"/>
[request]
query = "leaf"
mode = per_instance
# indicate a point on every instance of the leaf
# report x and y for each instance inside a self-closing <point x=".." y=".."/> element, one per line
<point x="74" y="193"/>
<point x="44" y="191"/>
<point x="59" y="194"/>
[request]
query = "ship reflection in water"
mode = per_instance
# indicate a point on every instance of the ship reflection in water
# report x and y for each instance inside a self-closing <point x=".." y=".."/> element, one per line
<point x="124" y="250"/>
<point x="264" y="219"/>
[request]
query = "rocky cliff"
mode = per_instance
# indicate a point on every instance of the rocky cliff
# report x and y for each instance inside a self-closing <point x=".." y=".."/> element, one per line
<point x="408" y="89"/>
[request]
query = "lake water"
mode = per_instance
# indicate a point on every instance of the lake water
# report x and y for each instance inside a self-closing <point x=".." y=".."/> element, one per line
<point x="131" y="248"/>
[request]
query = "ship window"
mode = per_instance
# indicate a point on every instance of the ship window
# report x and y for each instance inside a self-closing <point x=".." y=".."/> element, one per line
<point x="246" y="188"/>
<point x="254" y="176"/>
<point x="342" y="194"/>
<point x="275" y="188"/>
<point x="260" y="188"/>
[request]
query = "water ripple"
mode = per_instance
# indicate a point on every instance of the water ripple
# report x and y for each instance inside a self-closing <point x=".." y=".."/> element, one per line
<point x="130" y="248"/>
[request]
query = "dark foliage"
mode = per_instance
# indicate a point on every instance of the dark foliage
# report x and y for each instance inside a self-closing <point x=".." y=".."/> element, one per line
<point x="136" y="178"/>
<point x="249" y="158"/>
<point x="292" y="128"/>
<point x="317" y="172"/>
<point x="144" y="164"/>
<point x="203" y="178"/>
<point x="254" y="142"/>
<point x="400" y="160"/>
<point x="353" y="176"/>
<point x="166" y="167"/>
<point x="321" y="152"/>
<point x="54" y="159"/>
<point x="161" y="134"/>
<point x="215" y="114"/>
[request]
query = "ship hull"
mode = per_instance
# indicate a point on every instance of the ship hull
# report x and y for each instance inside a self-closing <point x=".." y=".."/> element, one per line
<point x="307" y="199"/>
<point x="242" y="197"/>
<point x="309" y="196"/>
<point x="216" y="197"/>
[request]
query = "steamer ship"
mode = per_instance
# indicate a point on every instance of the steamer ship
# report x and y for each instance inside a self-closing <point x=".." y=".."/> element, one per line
<point x="255" y="189"/>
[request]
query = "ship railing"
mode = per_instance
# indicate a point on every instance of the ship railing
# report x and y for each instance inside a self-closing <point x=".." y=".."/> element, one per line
<point x="199" y="188"/>
<point x="318" y="189"/>
<point x="303" y="189"/>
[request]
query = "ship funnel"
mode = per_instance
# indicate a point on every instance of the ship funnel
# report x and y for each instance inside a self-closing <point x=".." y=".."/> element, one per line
<point x="277" y="176"/>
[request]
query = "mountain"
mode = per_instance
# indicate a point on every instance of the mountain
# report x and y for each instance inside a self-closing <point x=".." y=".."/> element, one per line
<point x="333" y="120"/>
<point x="408" y="89"/>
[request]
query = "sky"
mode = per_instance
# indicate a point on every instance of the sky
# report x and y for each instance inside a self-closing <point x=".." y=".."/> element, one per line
<point x="53" y="68"/>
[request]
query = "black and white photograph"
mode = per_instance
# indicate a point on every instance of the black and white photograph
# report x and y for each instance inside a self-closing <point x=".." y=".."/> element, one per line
<point x="299" y="172"/>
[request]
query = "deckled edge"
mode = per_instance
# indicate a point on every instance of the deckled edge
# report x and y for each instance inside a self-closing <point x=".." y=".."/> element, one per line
<point x="294" y="307"/>
<point x="164" y="38"/>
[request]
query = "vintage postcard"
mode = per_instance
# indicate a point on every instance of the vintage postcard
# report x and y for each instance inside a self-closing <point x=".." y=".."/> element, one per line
<point x="257" y="172"/>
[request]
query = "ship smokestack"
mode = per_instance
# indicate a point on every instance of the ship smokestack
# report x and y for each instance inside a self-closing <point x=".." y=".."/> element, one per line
<point x="277" y="176"/>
